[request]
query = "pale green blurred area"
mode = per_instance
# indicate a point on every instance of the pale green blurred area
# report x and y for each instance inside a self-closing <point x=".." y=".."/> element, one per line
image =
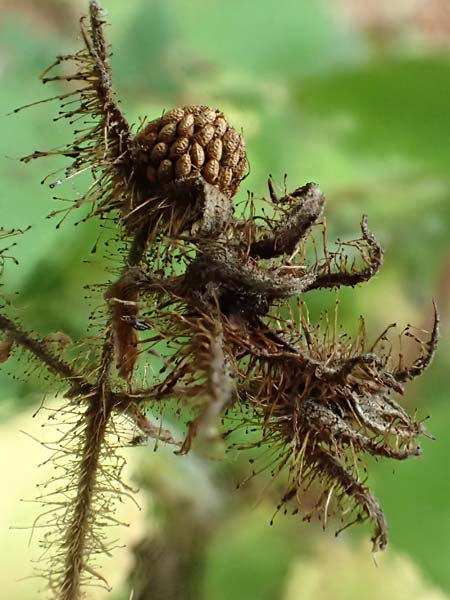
<point x="355" y="99"/>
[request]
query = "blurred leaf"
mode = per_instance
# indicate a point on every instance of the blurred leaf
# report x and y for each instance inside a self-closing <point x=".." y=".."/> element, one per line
<point x="398" y="107"/>
<point x="340" y="572"/>
<point x="416" y="496"/>
<point x="249" y="559"/>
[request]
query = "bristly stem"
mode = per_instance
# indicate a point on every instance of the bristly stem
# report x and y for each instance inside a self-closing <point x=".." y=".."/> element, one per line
<point x="138" y="245"/>
<point x="96" y="419"/>
<point x="42" y="353"/>
<point x="98" y="49"/>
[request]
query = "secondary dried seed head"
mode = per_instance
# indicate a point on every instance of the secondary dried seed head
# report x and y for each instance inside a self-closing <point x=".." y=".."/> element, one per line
<point x="193" y="140"/>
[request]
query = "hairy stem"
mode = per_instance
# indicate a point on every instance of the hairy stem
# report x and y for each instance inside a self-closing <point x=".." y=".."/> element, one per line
<point x="96" y="419"/>
<point x="42" y="353"/>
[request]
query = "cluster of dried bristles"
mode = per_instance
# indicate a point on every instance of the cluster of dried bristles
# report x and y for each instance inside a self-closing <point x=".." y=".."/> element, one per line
<point x="213" y="300"/>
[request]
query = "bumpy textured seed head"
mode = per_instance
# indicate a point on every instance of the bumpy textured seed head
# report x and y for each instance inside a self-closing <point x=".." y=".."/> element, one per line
<point x="241" y="168"/>
<point x="231" y="160"/>
<point x="179" y="147"/>
<point x="189" y="141"/>
<point x="205" y="135"/>
<point x="151" y="138"/>
<point x="207" y="117"/>
<point x="174" y="115"/>
<point x="221" y="126"/>
<point x="226" y="175"/>
<point x="231" y="141"/>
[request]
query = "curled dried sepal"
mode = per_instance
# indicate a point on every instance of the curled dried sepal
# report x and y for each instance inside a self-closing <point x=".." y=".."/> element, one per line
<point x="294" y="216"/>
<point x="403" y="374"/>
<point x="324" y="401"/>
<point x="335" y="270"/>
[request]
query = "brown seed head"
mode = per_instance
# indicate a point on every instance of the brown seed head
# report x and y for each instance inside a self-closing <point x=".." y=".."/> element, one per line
<point x="193" y="140"/>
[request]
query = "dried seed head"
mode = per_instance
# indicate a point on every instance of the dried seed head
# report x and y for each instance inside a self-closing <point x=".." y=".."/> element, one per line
<point x="226" y="175"/>
<point x="231" y="141"/>
<point x="205" y="135"/>
<point x="175" y="115"/>
<point x="197" y="140"/>
<point x="221" y="126"/>
<point x="231" y="160"/>
<point x="207" y="117"/>
<point x="151" y="138"/>
<point x="179" y="147"/>
<point x="241" y="168"/>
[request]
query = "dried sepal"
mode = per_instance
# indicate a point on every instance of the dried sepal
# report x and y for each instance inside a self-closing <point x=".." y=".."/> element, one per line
<point x="335" y="270"/>
<point x="299" y="210"/>
<point x="324" y="400"/>
<point x="211" y="361"/>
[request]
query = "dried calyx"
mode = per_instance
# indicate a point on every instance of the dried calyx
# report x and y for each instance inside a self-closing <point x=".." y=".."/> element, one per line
<point x="319" y="399"/>
<point x="324" y="401"/>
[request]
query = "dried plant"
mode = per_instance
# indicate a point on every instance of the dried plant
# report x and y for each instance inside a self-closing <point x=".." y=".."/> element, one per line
<point x="208" y="311"/>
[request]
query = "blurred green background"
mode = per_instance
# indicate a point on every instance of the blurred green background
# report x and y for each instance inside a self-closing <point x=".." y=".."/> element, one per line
<point x="353" y="95"/>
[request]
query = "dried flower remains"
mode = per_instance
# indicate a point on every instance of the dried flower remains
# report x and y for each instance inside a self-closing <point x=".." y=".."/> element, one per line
<point x="208" y="310"/>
